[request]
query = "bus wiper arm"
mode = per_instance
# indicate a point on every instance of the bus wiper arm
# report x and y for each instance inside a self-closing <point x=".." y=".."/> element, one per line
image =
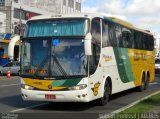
<point x="59" y="66"/>
<point x="41" y="65"/>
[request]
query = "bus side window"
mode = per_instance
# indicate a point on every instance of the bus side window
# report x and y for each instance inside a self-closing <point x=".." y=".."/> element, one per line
<point x="126" y="38"/>
<point x="132" y="39"/>
<point x="96" y="31"/>
<point x="111" y="32"/>
<point x="105" y="37"/>
<point x="137" y="40"/>
<point x="96" y="40"/>
<point x="145" y="42"/>
<point x="151" y="42"/>
<point x="118" y="32"/>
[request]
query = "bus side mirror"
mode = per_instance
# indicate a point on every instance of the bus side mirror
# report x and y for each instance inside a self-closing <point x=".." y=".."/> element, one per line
<point x="88" y="44"/>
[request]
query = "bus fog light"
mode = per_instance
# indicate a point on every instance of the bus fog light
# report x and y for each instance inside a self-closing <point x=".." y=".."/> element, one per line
<point x="78" y="87"/>
<point x="84" y="95"/>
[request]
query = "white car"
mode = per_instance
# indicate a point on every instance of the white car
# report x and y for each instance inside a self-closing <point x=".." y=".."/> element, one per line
<point x="13" y="67"/>
<point x="157" y="65"/>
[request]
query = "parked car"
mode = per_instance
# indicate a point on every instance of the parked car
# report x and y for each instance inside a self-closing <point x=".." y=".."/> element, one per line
<point x="157" y="65"/>
<point x="14" y="68"/>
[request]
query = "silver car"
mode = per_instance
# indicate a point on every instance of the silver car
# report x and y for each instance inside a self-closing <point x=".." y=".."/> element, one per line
<point x="14" y="68"/>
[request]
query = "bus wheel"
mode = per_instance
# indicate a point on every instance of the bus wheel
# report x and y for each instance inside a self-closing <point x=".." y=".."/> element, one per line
<point x="146" y="82"/>
<point x="102" y="101"/>
<point x="142" y="86"/>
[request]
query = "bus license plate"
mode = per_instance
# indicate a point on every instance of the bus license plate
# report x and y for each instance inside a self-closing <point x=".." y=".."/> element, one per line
<point x="50" y="96"/>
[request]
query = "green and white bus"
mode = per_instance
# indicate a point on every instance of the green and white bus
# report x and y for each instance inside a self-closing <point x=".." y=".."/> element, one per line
<point x="83" y="57"/>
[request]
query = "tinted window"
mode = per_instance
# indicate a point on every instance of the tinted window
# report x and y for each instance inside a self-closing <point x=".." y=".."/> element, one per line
<point x="63" y="27"/>
<point x="150" y="43"/>
<point x="105" y="41"/>
<point x="138" y="41"/>
<point x="96" y="46"/>
<point x="96" y="31"/>
<point x="120" y="36"/>
<point x="8" y="65"/>
<point x="15" y="64"/>
<point x="126" y="38"/>
<point x="112" y="38"/>
<point x="118" y="39"/>
<point x="143" y="41"/>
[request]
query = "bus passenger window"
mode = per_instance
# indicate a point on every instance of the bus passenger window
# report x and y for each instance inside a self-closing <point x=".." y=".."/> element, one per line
<point x="96" y="40"/>
<point x="118" y="32"/>
<point x="105" y="37"/>
<point x="151" y="43"/>
<point x="96" y="32"/>
<point x="111" y="32"/>
<point x="126" y="38"/>
<point x="138" y="40"/>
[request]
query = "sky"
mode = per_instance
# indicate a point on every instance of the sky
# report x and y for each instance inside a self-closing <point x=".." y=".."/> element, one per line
<point x="144" y="14"/>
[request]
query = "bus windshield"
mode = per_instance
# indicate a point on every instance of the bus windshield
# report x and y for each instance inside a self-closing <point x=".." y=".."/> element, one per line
<point x="60" y="27"/>
<point x="53" y="57"/>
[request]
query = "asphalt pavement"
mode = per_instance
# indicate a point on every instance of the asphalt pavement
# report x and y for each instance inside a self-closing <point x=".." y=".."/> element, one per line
<point x="12" y="103"/>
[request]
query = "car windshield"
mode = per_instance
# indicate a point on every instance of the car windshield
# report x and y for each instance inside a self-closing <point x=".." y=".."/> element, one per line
<point x="53" y="57"/>
<point x="10" y="64"/>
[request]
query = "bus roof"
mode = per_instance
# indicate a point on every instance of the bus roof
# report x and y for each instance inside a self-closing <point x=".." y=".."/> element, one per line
<point x="71" y="15"/>
<point x="90" y="16"/>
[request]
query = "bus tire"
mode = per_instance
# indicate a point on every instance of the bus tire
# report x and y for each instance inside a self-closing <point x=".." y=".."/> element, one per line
<point x="142" y="86"/>
<point x="147" y="82"/>
<point x="104" y="100"/>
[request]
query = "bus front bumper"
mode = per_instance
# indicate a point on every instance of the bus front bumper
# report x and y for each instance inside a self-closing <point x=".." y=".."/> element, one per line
<point x="56" y="96"/>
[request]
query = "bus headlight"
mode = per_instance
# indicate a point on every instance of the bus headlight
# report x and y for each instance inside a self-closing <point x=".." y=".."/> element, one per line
<point x="78" y="87"/>
<point x="24" y="86"/>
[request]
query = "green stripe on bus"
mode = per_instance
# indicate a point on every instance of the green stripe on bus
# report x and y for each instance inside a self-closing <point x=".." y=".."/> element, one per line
<point x="72" y="82"/>
<point x="123" y="64"/>
<point x="66" y="82"/>
<point x="58" y="82"/>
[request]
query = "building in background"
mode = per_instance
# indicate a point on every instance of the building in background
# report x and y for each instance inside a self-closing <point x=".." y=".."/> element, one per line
<point x="15" y="13"/>
<point x="2" y="22"/>
<point x="21" y="10"/>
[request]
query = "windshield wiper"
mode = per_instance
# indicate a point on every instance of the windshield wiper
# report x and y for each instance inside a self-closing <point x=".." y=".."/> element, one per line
<point x="59" y="66"/>
<point x="57" y="63"/>
<point x="41" y="65"/>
